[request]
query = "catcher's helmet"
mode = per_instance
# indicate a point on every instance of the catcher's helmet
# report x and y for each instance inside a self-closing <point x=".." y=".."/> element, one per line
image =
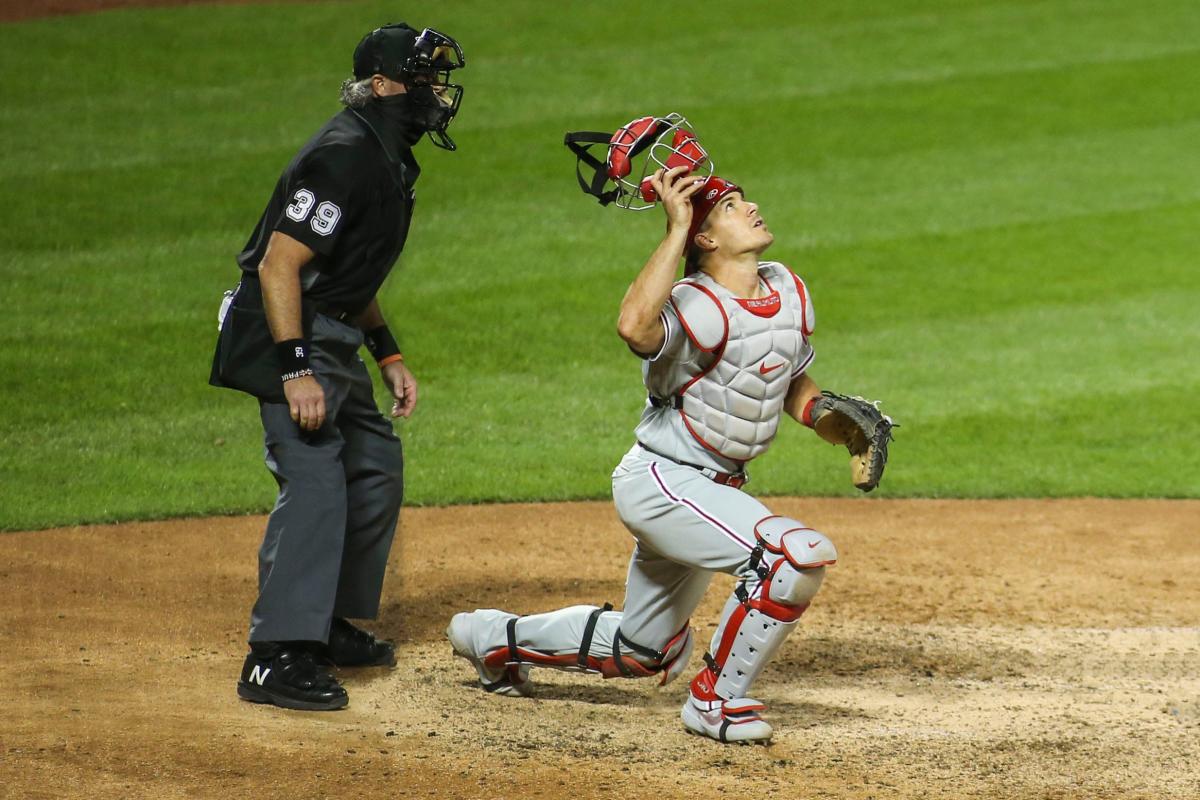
<point x="422" y="61"/>
<point x="703" y="202"/>
<point x="666" y="142"/>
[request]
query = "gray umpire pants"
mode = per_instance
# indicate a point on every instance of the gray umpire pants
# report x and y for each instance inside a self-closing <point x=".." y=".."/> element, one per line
<point x="340" y="489"/>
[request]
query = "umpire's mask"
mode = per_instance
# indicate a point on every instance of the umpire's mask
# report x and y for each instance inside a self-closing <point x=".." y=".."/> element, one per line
<point x="422" y="62"/>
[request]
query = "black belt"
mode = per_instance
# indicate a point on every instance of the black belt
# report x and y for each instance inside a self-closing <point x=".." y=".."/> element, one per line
<point x="735" y="479"/>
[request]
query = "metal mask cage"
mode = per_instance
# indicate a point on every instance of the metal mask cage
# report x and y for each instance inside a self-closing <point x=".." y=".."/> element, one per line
<point x="664" y="143"/>
<point x="434" y="56"/>
<point x="632" y="155"/>
<point x="451" y="98"/>
<point x="434" y="51"/>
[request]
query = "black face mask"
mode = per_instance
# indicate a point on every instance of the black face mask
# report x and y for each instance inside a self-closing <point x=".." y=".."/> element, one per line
<point x="397" y="119"/>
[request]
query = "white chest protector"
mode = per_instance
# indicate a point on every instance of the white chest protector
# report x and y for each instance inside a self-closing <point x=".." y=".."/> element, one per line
<point x="717" y="396"/>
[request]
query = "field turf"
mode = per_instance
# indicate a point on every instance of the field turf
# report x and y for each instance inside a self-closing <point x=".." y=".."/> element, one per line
<point x="995" y="205"/>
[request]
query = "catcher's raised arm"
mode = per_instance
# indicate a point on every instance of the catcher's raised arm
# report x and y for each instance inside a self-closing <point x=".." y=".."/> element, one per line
<point x="640" y="324"/>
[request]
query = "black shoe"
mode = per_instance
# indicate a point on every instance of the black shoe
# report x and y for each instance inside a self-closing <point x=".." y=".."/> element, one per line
<point x="353" y="647"/>
<point x="287" y="674"/>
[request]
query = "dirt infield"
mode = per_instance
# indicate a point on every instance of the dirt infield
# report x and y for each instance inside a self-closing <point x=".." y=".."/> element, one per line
<point x="1033" y="649"/>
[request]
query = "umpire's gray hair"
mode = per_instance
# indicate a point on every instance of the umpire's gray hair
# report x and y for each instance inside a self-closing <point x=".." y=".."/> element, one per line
<point x="356" y="94"/>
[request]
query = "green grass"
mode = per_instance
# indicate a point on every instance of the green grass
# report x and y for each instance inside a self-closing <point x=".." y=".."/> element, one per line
<point x="994" y="204"/>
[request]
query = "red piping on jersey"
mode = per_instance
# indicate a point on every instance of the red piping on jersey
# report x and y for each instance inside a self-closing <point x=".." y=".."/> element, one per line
<point x="800" y="369"/>
<point x="700" y="512"/>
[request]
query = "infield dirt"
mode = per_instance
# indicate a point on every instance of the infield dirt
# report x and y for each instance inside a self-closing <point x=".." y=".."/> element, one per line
<point x="999" y="649"/>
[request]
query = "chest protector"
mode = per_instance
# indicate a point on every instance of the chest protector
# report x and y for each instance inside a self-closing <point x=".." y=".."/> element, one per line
<point x="730" y="395"/>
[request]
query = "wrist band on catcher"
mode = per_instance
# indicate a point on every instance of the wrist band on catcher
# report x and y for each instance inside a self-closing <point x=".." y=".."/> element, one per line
<point x="806" y="416"/>
<point x="382" y="344"/>
<point x="393" y="358"/>
<point x="293" y="359"/>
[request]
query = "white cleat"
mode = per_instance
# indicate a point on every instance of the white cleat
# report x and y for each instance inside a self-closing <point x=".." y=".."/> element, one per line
<point x="511" y="680"/>
<point x="726" y="720"/>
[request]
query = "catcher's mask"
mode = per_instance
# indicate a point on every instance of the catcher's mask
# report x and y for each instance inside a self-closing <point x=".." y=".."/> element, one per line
<point x="634" y="152"/>
<point x="423" y="63"/>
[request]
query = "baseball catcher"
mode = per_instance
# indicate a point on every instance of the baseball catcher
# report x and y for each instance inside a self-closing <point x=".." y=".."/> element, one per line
<point x="725" y="353"/>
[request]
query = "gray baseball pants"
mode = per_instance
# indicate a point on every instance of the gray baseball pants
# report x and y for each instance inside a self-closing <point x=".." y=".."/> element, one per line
<point x="340" y="489"/>
<point x="686" y="528"/>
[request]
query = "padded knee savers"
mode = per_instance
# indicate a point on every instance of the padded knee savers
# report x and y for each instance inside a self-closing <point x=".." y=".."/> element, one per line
<point x="794" y="557"/>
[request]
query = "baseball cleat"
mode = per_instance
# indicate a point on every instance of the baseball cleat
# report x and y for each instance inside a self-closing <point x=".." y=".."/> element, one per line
<point x="726" y="720"/>
<point x="351" y="646"/>
<point x="288" y="676"/>
<point x="511" y="680"/>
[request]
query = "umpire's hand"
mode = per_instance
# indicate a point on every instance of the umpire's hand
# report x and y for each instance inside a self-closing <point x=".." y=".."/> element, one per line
<point x="403" y="386"/>
<point x="306" y="401"/>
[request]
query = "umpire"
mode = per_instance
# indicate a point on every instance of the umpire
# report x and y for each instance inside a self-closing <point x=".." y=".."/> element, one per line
<point x="290" y="336"/>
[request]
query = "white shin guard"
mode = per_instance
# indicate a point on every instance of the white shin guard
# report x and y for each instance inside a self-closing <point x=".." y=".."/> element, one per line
<point x="755" y="638"/>
<point x="788" y="567"/>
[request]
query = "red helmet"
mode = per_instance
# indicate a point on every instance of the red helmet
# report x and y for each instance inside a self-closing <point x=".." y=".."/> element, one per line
<point x="703" y="202"/>
<point x="666" y="142"/>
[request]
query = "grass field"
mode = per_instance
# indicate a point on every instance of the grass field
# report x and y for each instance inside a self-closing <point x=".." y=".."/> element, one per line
<point x="994" y="204"/>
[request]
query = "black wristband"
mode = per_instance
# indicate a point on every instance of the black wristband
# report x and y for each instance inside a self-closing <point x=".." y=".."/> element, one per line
<point x="381" y="343"/>
<point x="293" y="359"/>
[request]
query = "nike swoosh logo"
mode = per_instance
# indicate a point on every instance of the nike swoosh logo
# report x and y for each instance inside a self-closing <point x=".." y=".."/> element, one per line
<point x="763" y="369"/>
<point x="811" y="545"/>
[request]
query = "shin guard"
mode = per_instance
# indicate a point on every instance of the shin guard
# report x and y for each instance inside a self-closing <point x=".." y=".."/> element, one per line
<point x="587" y="639"/>
<point x="787" y="567"/>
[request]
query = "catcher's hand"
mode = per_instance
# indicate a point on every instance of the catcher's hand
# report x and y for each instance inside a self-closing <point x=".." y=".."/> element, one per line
<point x="858" y="424"/>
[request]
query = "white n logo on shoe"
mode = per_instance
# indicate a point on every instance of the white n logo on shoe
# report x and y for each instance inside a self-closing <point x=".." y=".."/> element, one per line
<point x="259" y="674"/>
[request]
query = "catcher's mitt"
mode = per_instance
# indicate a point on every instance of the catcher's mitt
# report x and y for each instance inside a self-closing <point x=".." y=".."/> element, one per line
<point x="858" y="424"/>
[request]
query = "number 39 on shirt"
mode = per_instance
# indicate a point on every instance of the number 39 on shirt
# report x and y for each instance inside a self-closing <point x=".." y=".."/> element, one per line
<point x="324" y="218"/>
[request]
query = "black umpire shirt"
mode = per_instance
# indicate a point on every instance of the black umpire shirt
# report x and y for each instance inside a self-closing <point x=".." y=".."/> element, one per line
<point x="348" y="196"/>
